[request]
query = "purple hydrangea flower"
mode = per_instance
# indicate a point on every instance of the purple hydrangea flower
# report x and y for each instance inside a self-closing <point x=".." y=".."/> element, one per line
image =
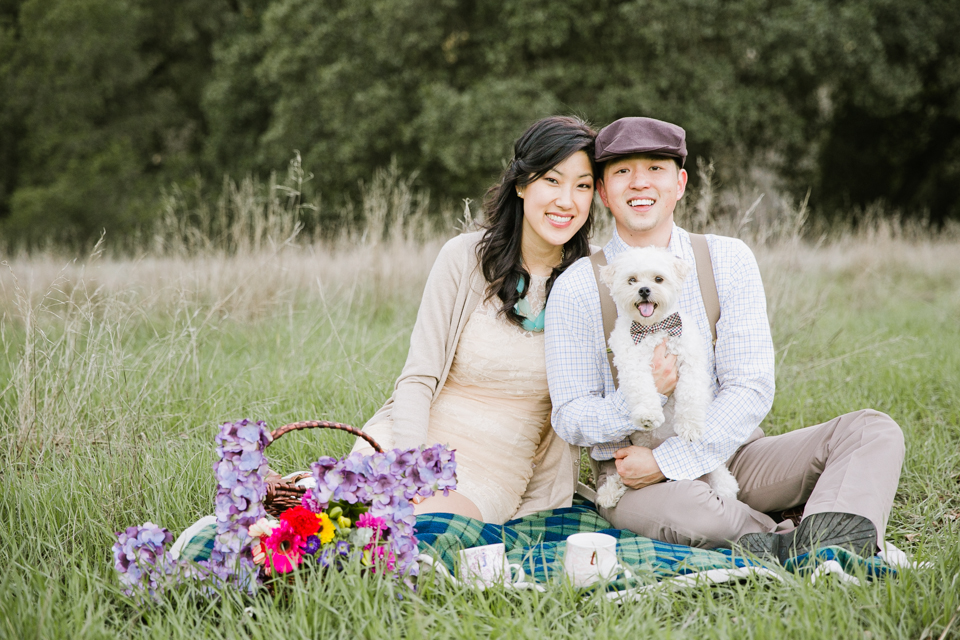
<point x="386" y="482"/>
<point x="239" y="502"/>
<point x="142" y="560"/>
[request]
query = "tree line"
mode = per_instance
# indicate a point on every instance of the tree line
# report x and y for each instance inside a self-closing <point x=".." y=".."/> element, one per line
<point x="105" y="103"/>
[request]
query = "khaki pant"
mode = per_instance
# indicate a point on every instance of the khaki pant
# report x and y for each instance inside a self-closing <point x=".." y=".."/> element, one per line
<point x="850" y="464"/>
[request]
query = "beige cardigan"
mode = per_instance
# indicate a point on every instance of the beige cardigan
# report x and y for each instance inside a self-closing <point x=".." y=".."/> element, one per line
<point x="454" y="288"/>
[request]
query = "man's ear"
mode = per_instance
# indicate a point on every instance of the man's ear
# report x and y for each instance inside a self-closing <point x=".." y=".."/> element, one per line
<point x="681" y="183"/>
<point x="607" y="273"/>
<point x="681" y="268"/>
<point x="601" y="189"/>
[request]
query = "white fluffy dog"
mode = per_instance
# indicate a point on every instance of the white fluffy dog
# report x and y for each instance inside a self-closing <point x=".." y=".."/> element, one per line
<point x="645" y="285"/>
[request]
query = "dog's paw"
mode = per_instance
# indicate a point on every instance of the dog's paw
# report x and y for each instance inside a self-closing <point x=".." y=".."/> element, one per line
<point x="723" y="483"/>
<point x="688" y="430"/>
<point x="609" y="494"/>
<point x="647" y="418"/>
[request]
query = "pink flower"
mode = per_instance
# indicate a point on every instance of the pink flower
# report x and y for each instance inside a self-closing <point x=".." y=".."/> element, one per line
<point x="367" y="521"/>
<point x="383" y="559"/>
<point x="284" y="548"/>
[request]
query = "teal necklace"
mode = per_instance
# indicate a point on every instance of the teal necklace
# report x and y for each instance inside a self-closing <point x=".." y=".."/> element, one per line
<point x="522" y="308"/>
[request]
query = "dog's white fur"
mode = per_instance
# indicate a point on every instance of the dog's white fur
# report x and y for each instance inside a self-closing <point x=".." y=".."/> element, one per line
<point x="658" y="274"/>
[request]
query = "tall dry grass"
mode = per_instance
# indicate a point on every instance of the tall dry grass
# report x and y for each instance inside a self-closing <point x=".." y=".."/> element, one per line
<point x="74" y="331"/>
<point x="64" y="321"/>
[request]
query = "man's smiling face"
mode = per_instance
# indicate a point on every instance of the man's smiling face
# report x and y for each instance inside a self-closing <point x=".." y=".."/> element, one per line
<point x="641" y="192"/>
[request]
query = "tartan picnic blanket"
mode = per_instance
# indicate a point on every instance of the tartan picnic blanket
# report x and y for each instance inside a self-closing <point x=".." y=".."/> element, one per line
<point x="537" y="542"/>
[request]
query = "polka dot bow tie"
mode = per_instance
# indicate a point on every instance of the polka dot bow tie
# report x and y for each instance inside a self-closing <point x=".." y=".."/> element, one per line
<point x="671" y="324"/>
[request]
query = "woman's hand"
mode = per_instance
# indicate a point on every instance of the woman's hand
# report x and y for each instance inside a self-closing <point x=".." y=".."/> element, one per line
<point x="637" y="467"/>
<point x="664" y="370"/>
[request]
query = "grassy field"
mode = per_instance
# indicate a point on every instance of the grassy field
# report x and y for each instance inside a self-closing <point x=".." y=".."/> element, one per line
<point x="115" y="372"/>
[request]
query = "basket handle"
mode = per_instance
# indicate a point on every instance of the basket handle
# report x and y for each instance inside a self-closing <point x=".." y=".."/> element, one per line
<point x="323" y="424"/>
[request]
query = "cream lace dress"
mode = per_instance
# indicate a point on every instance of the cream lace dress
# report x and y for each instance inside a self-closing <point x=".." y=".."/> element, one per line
<point x="493" y="409"/>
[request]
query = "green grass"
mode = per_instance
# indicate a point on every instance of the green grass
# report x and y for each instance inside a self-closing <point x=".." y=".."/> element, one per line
<point x="114" y="379"/>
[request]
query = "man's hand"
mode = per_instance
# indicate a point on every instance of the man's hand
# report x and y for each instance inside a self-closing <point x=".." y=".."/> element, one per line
<point x="664" y="370"/>
<point x="638" y="467"/>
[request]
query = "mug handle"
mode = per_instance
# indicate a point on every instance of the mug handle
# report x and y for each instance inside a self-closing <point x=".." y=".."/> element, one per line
<point x="622" y="569"/>
<point x="618" y="569"/>
<point x="521" y="574"/>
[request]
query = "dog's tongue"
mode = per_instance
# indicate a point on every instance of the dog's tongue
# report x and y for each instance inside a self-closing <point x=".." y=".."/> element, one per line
<point x="645" y="309"/>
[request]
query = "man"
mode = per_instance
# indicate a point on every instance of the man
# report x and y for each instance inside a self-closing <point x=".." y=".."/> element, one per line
<point x="845" y="470"/>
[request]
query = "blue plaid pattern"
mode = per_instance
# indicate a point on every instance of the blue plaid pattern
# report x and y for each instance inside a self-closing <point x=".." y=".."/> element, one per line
<point x="589" y="412"/>
<point x="199" y="548"/>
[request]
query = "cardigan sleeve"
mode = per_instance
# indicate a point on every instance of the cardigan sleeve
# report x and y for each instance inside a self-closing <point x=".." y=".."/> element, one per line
<point x="430" y="344"/>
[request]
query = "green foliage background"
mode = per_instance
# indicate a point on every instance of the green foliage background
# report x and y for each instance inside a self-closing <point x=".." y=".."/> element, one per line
<point x="104" y="103"/>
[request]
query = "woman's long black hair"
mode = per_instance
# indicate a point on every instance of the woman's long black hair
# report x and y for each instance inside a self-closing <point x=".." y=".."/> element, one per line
<point x="547" y="143"/>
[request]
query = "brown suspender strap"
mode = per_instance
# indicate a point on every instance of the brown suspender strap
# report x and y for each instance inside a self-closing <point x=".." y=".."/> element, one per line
<point x="708" y="285"/>
<point x="608" y="310"/>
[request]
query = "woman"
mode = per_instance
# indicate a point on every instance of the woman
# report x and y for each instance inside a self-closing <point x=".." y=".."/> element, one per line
<point x="475" y="376"/>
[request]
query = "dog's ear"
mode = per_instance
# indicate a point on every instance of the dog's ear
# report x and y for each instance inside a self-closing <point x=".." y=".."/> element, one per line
<point x="607" y="274"/>
<point x="681" y="268"/>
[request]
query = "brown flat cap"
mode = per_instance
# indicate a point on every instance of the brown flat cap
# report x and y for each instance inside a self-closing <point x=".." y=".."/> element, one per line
<point x="627" y="136"/>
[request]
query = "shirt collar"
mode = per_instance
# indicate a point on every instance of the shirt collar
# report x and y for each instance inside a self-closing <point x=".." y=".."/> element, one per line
<point x="616" y="246"/>
<point x="678" y="240"/>
<point x="679" y="243"/>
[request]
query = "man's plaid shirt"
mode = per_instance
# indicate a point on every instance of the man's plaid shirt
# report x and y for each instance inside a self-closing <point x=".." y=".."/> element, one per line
<point x="588" y="411"/>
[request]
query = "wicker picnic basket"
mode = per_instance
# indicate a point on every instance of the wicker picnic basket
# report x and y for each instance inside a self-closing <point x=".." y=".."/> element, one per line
<point x="285" y="494"/>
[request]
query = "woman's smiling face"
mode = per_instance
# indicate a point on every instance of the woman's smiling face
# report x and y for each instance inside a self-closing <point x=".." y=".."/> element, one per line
<point x="557" y="204"/>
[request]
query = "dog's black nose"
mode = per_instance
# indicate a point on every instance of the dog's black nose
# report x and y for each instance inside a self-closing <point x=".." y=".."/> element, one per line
<point x="644" y="292"/>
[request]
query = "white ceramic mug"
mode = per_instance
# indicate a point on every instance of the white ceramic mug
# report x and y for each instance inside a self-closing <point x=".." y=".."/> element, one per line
<point x="590" y="557"/>
<point x="488" y="566"/>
